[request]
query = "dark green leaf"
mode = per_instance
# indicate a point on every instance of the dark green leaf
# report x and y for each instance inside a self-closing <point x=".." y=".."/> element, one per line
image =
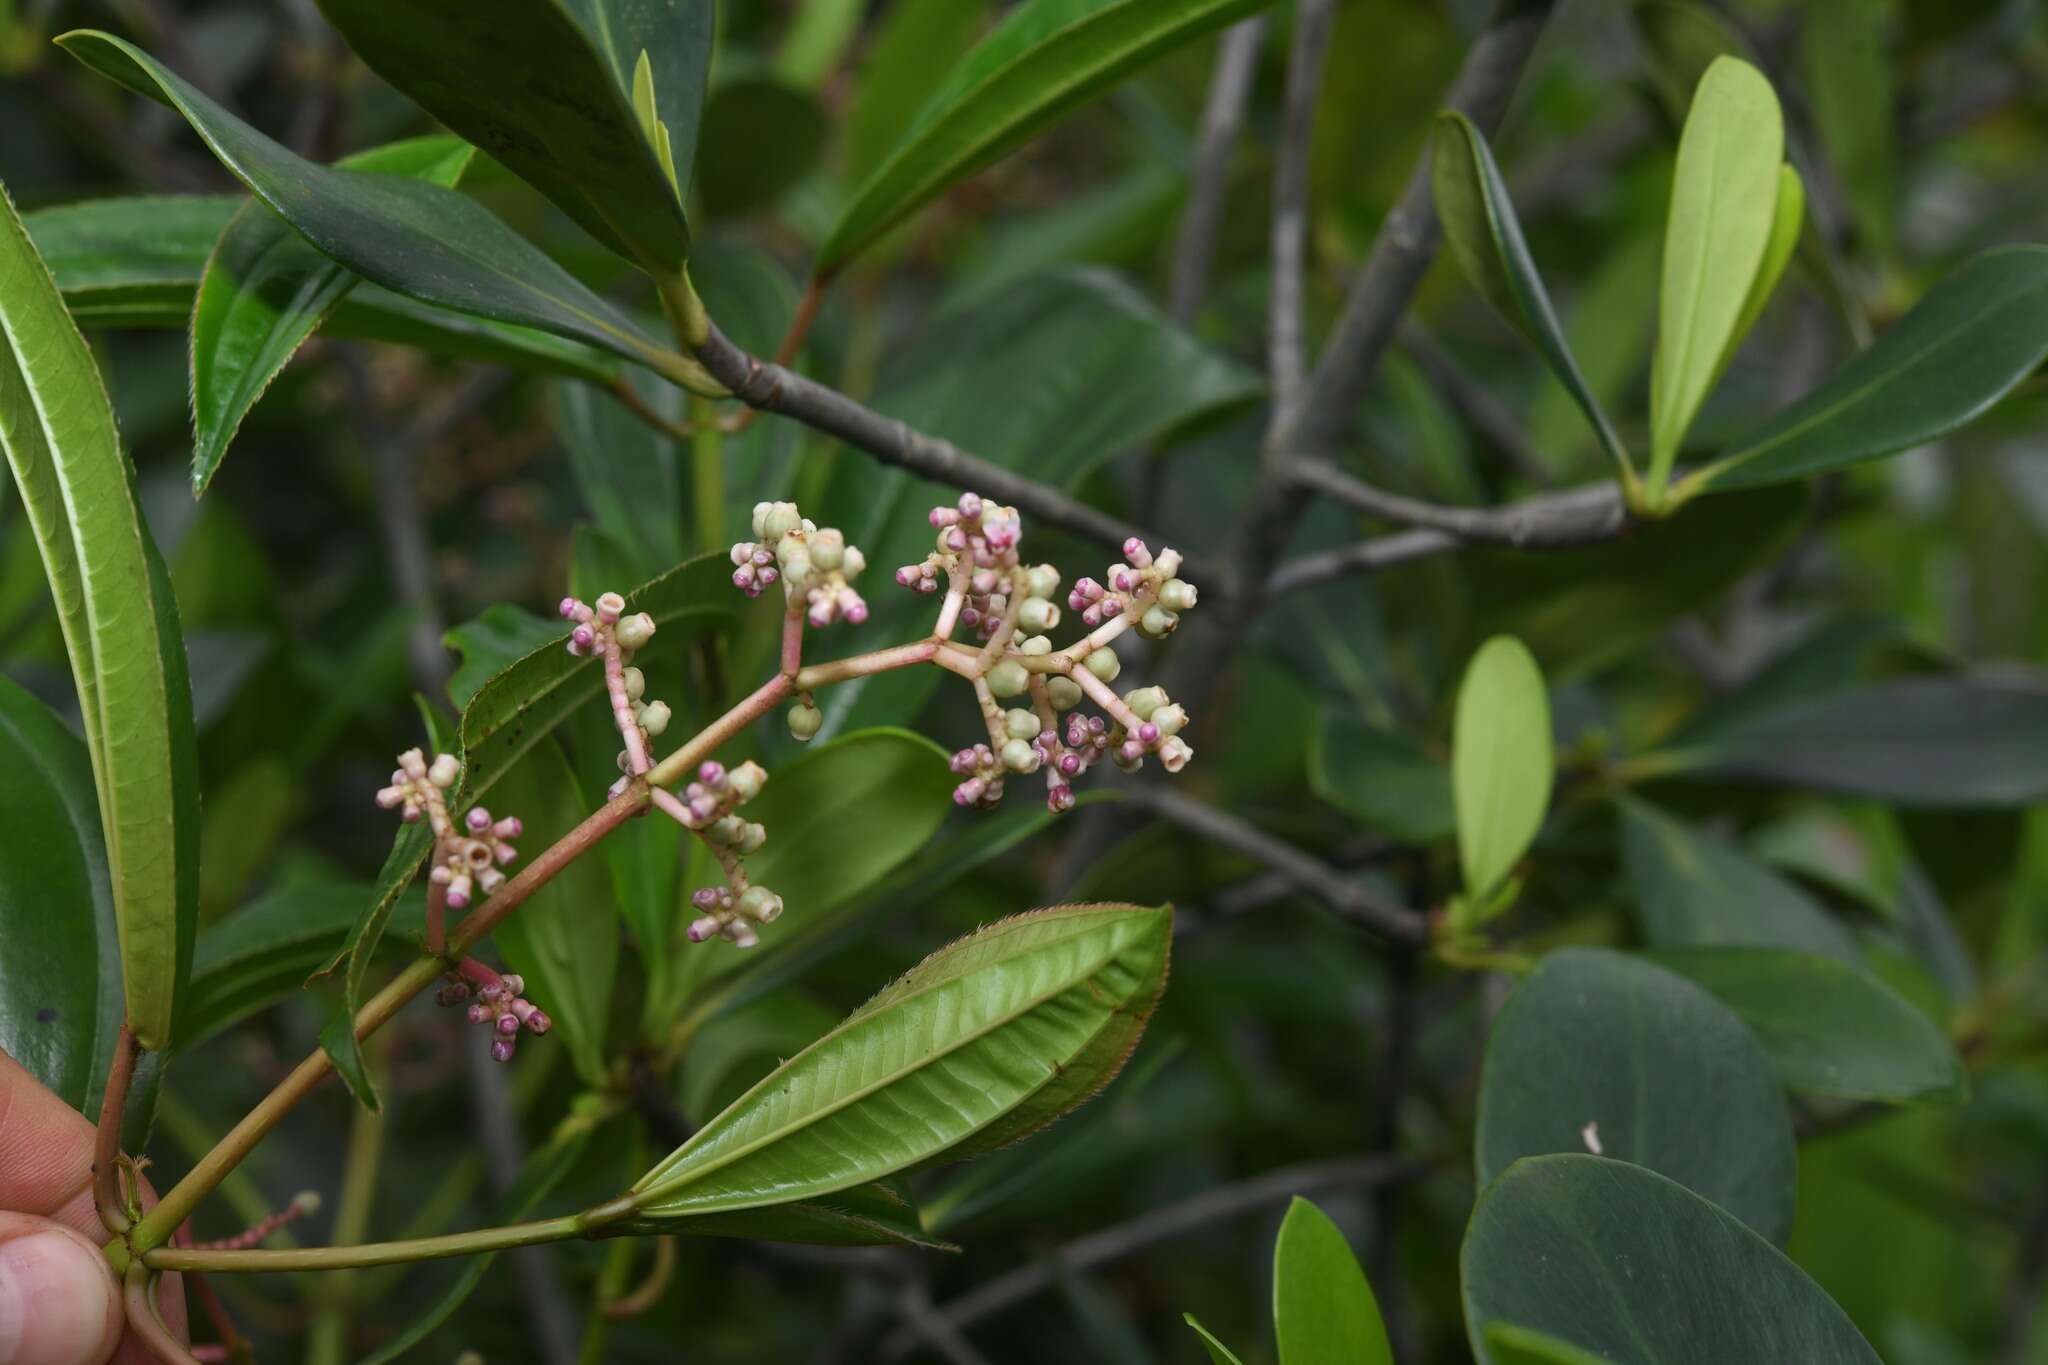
<point x="119" y="626"/>
<point x="60" y="976"/>
<point x="1922" y="741"/>
<point x="1628" y="1266"/>
<point x="1046" y="58"/>
<point x="1693" y="889"/>
<point x="1598" y="1048"/>
<point x="492" y="642"/>
<point x="1975" y="334"/>
<point x="760" y="138"/>
<point x="565" y="938"/>
<point x="411" y="237"/>
<point x="535" y="84"/>
<point x="1381" y="777"/>
<point x="1829" y="1029"/>
<point x="1323" y="1309"/>
<point x="983" y="1042"/>
<point x="409" y="850"/>
<point x="265" y="291"/>
<point x="916" y="43"/>
<point x="1486" y="238"/>
<point x="626" y="471"/>
<point x="879" y="1213"/>
<point x="674" y="37"/>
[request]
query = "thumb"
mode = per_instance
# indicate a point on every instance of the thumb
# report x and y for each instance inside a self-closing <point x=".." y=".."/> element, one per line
<point x="59" y="1303"/>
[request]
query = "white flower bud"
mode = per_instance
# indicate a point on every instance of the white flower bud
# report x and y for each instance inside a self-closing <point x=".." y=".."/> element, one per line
<point x="727" y="829"/>
<point x="1157" y="623"/>
<point x="1021" y="724"/>
<point x="777" y="520"/>
<point x="1064" y="692"/>
<point x="1008" y="679"/>
<point x="746" y="780"/>
<point x="1044" y="580"/>
<point x="636" y="684"/>
<point x="828" y="550"/>
<point x="444" y="771"/>
<point x="1020" y="757"/>
<point x="751" y="839"/>
<point x="1176" y="594"/>
<point x="1038" y="614"/>
<point x="852" y="562"/>
<point x="1170" y="719"/>
<point x="634" y="631"/>
<point x="1104" y="664"/>
<point x="1035" y="644"/>
<point x="759" y="903"/>
<point x="1167" y="561"/>
<point x="654" y="719"/>
<point x="804" y="721"/>
<point x="1143" y="701"/>
<point x="1174" y="755"/>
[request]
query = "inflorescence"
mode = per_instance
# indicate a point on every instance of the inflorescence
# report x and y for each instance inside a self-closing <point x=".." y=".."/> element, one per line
<point x="1009" y="606"/>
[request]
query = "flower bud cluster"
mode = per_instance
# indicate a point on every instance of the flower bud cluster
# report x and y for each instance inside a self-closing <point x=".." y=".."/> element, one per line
<point x="1160" y="721"/>
<point x="604" y="630"/>
<point x="816" y="567"/>
<point x="466" y="857"/>
<point x="710" y="805"/>
<point x="977" y="550"/>
<point x="732" y="914"/>
<point x="500" y="1006"/>
<point x="606" y="623"/>
<point x="1144" y="585"/>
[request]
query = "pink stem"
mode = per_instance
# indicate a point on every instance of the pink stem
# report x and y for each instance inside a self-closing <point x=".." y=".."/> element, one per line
<point x="720" y="732"/>
<point x="437" y="914"/>
<point x="861" y="665"/>
<point x="671" y="805"/>
<point x="478" y="972"/>
<point x="792" y="642"/>
<point x="622" y="708"/>
<point x="1106" y="699"/>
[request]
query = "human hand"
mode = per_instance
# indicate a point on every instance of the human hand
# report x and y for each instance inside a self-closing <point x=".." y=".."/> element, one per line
<point x="59" y="1301"/>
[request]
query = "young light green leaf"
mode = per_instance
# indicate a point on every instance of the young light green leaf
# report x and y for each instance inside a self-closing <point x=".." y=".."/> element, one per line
<point x="414" y="238"/>
<point x="1973" y="336"/>
<point x="1918" y="741"/>
<point x="565" y="938"/>
<point x="1511" y="1345"/>
<point x="1501" y="762"/>
<point x="1829" y="1028"/>
<point x="1486" y="238"/>
<point x="531" y="82"/>
<point x="60" y="976"/>
<point x="1724" y="199"/>
<point x="1627" y="1265"/>
<point x="1219" y="1354"/>
<point x="1323" y="1309"/>
<point x="119" y="625"/>
<point x="264" y="291"/>
<point x="1604" y="1053"/>
<point x="983" y="1042"/>
<point x="1046" y="58"/>
<point x="1693" y="888"/>
<point x="1786" y="221"/>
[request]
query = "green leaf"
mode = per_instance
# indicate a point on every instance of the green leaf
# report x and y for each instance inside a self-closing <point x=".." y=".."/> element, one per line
<point x="121" y="261"/>
<point x="118" y="622"/>
<point x="536" y="84"/>
<point x="913" y="47"/>
<point x="1695" y="889"/>
<point x="523" y="702"/>
<point x="1511" y="1345"/>
<point x="1219" y="1354"/>
<point x="60" y="977"/>
<point x="1382" y="777"/>
<point x="1323" y="1309"/>
<point x="625" y="470"/>
<point x="1724" y="199"/>
<point x="1973" y="336"/>
<point x="409" y="850"/>
<point x="760" y="138"/>
<point x="1828" y="1028"/>
<point x="1628" y="1266"/>
<point x="544" y="1171"/>
<point x="1598" y="1048"/>
<point x="565" y="938"/>
<point x="879" y="1213"/>
<point x="1486" y="238"/>
<point x="1501" y="762"/>
<point x="1045" y="59"/>
<point x="1851" y="90"/>
<point x="674" y="39"/>
<point x="265" y="291"/>
<point x="415" y="239"/>
<point x="981" y="1043"/>
<point x="263" y="953"/>
<point x="1786" y="220"/>
<point x="491" y="642"/>
<point x="1919" y="741"/>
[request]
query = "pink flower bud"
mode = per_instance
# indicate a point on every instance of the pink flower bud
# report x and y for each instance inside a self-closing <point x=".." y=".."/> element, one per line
<point x="970" y="505"/>
<point x="509" y="828"/>
<point x="1137" y="554"/>
<point x="478" y="819"/>
<point x="582" y="638"/>
<point x="711" y="773"/>
<point x="1148" y="733"/>
<point x="569" y="608"/>
<point x="508" y="1024"/>
<point x="505" y="853"/>
<point x="702" y="929"/>
<point x="538" y="1023"/>
<point x="502" y="1049"/>
<point x="1059" y="799"/>
<point x="479" y="1013"/>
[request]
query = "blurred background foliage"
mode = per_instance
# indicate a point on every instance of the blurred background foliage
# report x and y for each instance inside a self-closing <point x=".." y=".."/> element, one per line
<point x="379" y="497"/>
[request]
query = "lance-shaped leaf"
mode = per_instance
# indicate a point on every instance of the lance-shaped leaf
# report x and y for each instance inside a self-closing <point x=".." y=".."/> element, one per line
<point x="414" y="238"/>
<point x="534" y="84"/>
<point x="119" y="624"/>
<point x="264" y="291"/>
<point x="60" y="976"/>
<point x="1724" y="202"/>
<point x="1786" y="220"/>
<point x="880" y="1213"/>
<point x="1486" y="238"/>
<point x="1323" y="1309"/>
<point x="1627" y="1265"/>
<point x="1970" y="339"/>
<point x="1045" y="59"/>
<point x="1219" y="1354"/>
<point x="524" y="701"/>
<point x="978" y="1045"/>
<point x="1600" y="1052"/>
<point x="409" y="850"/>
<point x="1501" y="762"/>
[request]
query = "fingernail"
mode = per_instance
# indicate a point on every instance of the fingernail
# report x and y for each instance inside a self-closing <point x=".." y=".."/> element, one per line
<point x="58" y="1302"/>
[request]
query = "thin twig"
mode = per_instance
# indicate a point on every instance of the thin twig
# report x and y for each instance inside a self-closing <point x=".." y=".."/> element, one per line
<point x="1214" y="1205"/>
<point x="1367" y="556"/>
<point x="1287" y="357"/>
<point x="943" y="1336"/>
<point x="1580" y="516"/>
<point x="1347" y="897"/>
<point x="771" y="388"/>
<point x="1230" y="88"/>
<point x="1480" y="409"/>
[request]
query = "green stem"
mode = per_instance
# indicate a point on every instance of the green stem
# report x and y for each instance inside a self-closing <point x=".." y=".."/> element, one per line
<point x="376" y="1253"/>
<point x="327" y="1337"/>
<point x="707" y="473"/>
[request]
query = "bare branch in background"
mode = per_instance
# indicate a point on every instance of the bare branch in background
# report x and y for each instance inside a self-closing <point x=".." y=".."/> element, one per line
<point x="1288" y="346"/>
<point x="1581" y="516"/>
<point x="1216" y="1205"/>
<point x="1230" y="89"/>
<point x="1481" y="410"/>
